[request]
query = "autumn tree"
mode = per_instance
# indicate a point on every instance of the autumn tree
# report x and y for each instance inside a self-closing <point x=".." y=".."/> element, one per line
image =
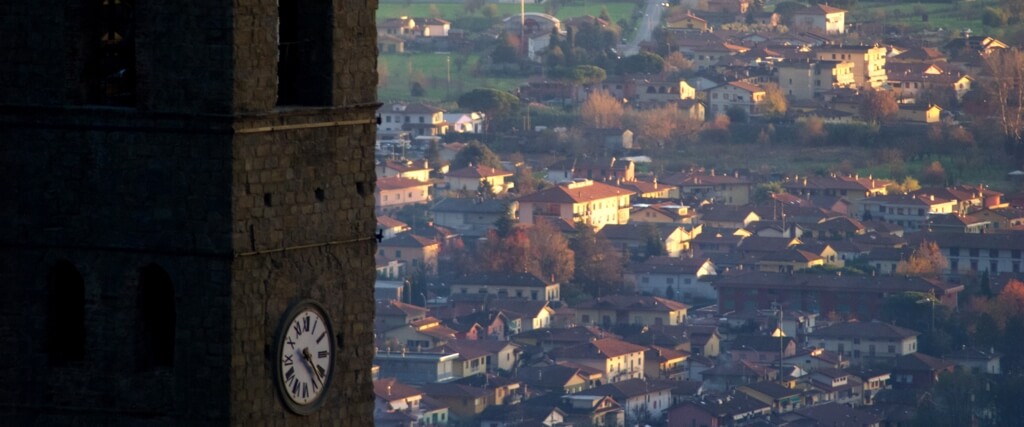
<point x="878" y="106"/>
<point x="642" y="63"/>
<point x="656" y="126"/>
<point x="934" y="174"/>
<point x="1004" y="85"/>
<point x="812" y="131"/>
<point x="602" y="110"/>
<point x="675" y="62"/>
<point x="505" y="254"/>
<point x="927" y="260"/>
<point x="550" y="254"/>
<point x="774" y="105"/>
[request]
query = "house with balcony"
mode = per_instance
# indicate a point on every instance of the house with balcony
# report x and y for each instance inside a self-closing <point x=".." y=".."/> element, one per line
<point x="912" y="212"/>
<point x="590" y="202"/>
<point x="617" y="360"/>
<point x="685" y="279"/>
<point x="804" y="80"/>
<point x="728" y="189"/>
<point x="418" y="170"/>
<point x="415" y="367"/>
<point x="475" y="178"/>
<point x="868" y="61"/>
<point x="740" y="95"/>
<point x="416" y="118"/>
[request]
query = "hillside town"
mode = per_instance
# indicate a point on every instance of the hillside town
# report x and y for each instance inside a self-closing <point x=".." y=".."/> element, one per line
<point x="705" y="213"/>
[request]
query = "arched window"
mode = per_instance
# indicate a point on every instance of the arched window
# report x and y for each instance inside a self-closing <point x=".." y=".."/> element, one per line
<point x="108" y="75"/>
<point x="156" y="324"/>
<point x="65" y="317"/>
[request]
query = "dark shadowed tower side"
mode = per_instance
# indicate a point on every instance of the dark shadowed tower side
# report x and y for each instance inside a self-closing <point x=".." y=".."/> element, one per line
<point x="175" y="177"/>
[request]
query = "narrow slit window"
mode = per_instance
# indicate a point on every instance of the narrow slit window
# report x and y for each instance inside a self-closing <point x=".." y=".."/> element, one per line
<point x="65" y="320"/>
<point x="156" y="326"/>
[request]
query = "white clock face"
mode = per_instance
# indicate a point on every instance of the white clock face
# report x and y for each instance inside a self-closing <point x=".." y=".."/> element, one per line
<point x="306" y="358"/>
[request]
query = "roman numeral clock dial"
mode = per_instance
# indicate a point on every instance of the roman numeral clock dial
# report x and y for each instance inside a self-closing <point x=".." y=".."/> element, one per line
<point x="305" y="357"/>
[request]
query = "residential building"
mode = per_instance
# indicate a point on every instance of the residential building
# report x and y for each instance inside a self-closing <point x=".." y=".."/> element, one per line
<point x="685" y="279"/>
<point x="868" y="61"/>
<point x="782" y="399"/>
<point x="803" y="80"/>
<point x="665" y="363"/>
<point x="465" y="122"/>
<point x="716" y="188"/>
<point x="390" y="227"/>
<point x="739" y="95"/>
<point x="866" y="342"/>
<point x="473" y="179"/>
<point x="417" y="118"/>
<point x="687" y="22"/>
<point x="854" y="296"/>
<point x="609" y="170"/>
<point x="637" y="396"/>
<point x="822" y="18"/>
<point x="667" y="212"/>
<point x="976" y="253"/>
<point x="418" y="252"/>
<point x="472" y="216"/>
<point x="919" y="113"/>
<point x="432" y="27"/>
<point x="416" y="367"/>
<point x="717" y="411"/>
<point x="730" y="374"/>
<point x="395" y="192"/>
<point x="912" y="212"/>
<point x="919" y="371"/>
<point x="592" y="203"/>
<point x="852" y="188"/>
<point x="557" y="379"/>
<point x="630" y="310"/>
<point x="636" y="238"/>
<point x="392" y="314"/>
<point x="464" y="401"/>
<point x="418" y="170"/>
<point x="423" y="334"/>
<point x="531" y="315"/>
<point x="835" y="414"/>
<point x="508" y="285"/>
<point x="617" y="360"/>
<point x="976" y="361"/>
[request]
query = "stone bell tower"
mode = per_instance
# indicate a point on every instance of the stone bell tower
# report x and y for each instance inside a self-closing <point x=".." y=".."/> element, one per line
<point x="176" y="177"/>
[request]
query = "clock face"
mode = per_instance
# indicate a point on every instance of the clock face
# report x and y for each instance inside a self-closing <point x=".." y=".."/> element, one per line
<point x="305" y="357"/>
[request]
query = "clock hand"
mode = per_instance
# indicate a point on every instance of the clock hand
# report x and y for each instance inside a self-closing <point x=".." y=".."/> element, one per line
<point x="309" y="360"/>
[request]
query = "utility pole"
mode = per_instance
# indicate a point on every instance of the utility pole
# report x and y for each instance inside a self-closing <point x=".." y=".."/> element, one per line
<point x="781" y="335"/>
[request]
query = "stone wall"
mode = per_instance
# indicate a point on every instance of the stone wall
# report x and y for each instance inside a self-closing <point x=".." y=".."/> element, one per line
<point x="248" y="207"/>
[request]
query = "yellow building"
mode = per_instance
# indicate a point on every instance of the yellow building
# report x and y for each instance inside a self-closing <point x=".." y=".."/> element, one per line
<point x="473" y="178"/>
<point x="687" y="22"/>
<point x="802" y="80"/>
<point x="394" y="192"/>
<point x="508" y="285"/>
<point x="417" y="252"/>
<point x="592" y="203"/>
<point x="868" y="62"/>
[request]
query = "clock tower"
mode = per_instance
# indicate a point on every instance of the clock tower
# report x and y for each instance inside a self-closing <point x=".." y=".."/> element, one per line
<point x="182" y="182"/>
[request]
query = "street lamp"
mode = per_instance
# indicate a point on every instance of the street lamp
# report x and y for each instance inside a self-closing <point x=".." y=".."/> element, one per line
<point x="780" y="334"/>
<point x="930" y="299"/>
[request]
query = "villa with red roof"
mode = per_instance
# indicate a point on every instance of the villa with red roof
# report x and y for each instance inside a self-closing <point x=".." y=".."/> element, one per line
<point x="592" y="203"/>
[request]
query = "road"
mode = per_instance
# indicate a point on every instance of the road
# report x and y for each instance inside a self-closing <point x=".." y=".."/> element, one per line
<point x="650" y="21"/>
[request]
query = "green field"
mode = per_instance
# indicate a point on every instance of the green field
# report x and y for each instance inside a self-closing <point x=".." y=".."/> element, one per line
<point x="616" y="10"/>
<point x="951" y="17"/>
<point x="432" y="70"/>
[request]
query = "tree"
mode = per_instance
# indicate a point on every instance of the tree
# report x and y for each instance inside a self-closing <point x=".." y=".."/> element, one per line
<point x="642" y="63"/>
<point x="774" y="104"/>
<point x="677" y="63"/>
<point x="878" y="106"/>
<point x="471" y="6"/>
<point x="506" y="254"/>
<point x="656" y="126"/>
<point x="477" y="154"/>
<point x="598" y="269"/>
<point x="525" y="182"/>
<point x="812" y="130"/>
<point x="491" y="102"/>
<point x="764" y="192"/>
<point x="601" y="110"/>
<point x="588" y="75"/>
<point x="1005" y="89"/>
<point x="550" y="253"/>
<point x="907" y="185"/>
<point x="490" y="11"/>
<point x="737" y="114"/>
<point x="927" y="260"/>
<point x="934" y="174"/>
